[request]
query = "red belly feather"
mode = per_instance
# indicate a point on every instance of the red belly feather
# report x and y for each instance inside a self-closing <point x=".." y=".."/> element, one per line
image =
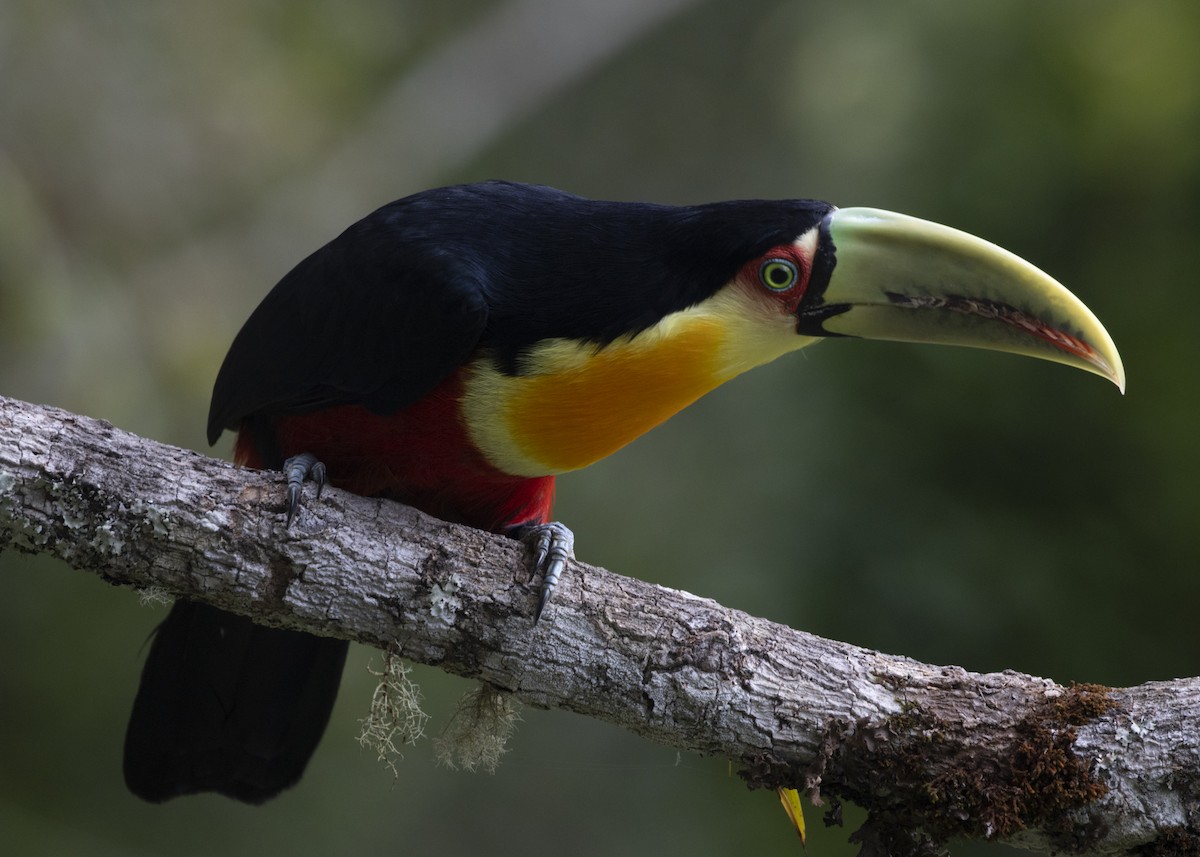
<point x="421" y="456"/>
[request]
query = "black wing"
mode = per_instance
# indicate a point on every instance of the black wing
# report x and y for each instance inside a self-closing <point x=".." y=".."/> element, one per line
<point x="383" y="313"/>
<point x="378" y="317"/>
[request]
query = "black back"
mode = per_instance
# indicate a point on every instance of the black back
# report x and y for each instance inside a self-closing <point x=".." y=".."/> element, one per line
<point x="385" y="311"/>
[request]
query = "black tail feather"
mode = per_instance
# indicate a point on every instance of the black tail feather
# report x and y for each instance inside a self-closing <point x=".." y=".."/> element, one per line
<point x="228" y="706"/>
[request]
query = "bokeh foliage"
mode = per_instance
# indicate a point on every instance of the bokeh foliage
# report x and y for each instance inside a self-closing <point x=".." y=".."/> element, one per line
<point x="161" y="165"/>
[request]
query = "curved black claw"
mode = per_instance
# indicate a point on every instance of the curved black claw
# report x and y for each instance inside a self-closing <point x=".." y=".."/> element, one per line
<point x="553" y="545"/>
<point x="297" y="469"/>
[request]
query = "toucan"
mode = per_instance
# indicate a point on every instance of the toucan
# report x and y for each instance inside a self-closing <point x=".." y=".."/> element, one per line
<point x="459" y="348"/>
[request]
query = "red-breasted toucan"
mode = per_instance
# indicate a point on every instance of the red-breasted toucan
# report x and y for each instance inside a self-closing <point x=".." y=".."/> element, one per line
<point x="458" y="349"/>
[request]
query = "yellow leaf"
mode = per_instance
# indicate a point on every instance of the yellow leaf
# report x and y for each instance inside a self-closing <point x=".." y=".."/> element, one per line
<point x="790" y="798"/>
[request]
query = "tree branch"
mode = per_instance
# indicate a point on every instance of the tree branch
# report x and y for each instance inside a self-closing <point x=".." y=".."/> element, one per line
<point x="932" y="752"/>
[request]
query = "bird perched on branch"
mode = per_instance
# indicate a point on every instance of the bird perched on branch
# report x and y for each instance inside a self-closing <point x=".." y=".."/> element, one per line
<point x="458" y="349"/>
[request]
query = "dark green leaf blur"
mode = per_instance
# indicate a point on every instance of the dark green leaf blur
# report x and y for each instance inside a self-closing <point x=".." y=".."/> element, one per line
<point x="162" y="165"/>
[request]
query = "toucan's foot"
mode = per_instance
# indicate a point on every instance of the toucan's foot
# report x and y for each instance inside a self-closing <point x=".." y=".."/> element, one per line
<point x="553" y="544"/>
<point x="297" y="469"/>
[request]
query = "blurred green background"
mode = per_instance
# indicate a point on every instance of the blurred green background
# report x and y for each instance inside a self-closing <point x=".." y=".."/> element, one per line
<point x="162" y="165"/>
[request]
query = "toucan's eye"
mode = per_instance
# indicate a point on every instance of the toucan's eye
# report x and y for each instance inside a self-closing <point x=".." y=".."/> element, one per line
<point x="778" y="275"/>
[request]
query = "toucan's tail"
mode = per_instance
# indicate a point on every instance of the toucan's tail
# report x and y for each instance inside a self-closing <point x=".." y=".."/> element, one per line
<point x="228" y="706"/>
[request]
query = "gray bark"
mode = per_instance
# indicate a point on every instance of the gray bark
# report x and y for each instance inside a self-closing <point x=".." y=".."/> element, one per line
<point x="932" y="752"/>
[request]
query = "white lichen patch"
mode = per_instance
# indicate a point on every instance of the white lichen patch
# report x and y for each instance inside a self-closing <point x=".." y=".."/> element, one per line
<point x="8" y="482"/>
<point x="444" y="605"/>
<point x="108" y="541"/>
<point x="212" y="521"/>
<point x="73" y="519"/>
<point x="477" y="735"/>
<point x="151" y="517"/>
<point x="395" y="717"/>
<point x="154" y="596"/>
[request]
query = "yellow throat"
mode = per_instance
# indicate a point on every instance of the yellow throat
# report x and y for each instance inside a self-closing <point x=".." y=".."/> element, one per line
<point x="573" y="403"/>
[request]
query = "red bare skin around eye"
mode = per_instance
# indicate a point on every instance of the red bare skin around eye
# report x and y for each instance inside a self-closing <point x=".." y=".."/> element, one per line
<point x="789" y="298"/>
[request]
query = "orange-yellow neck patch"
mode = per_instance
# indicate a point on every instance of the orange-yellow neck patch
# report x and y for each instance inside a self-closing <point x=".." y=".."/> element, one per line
<point x="575" y="403"/>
